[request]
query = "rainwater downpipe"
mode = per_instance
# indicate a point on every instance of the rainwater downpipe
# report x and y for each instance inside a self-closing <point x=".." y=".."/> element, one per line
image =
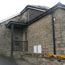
<point x="53" y="32"/>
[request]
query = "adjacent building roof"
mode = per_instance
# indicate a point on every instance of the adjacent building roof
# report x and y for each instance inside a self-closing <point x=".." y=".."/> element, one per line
<point x="48" y="11"/>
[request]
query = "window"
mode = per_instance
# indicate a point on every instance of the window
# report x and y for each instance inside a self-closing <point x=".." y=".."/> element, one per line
<point x="37" y="49"/>
<point x="21" y="45"/>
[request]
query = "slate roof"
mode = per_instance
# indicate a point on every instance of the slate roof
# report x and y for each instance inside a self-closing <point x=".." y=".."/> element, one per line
<point x="49" y="11"/>
<point x="35" y="7"/>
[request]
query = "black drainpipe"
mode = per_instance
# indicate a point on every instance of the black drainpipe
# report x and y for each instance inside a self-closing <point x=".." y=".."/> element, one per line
<point x="53" y="30"/>
<point x="12" y="33"/>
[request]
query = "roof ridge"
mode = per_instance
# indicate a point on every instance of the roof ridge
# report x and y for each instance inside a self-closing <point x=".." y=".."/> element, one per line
<point x="37" y="6"/>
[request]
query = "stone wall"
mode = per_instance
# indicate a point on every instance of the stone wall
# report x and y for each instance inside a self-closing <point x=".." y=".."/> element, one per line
<point x="60" y="31"/>
<point x="40" y="33"/>
<point x="5" y="37"/>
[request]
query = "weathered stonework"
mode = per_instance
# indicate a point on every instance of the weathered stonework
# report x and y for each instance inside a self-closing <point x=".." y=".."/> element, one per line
<point x="38" y="33"/>
<point x="59" y="31"/>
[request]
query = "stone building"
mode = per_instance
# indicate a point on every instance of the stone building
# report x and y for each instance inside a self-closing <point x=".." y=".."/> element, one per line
<point x="35" y="25"/>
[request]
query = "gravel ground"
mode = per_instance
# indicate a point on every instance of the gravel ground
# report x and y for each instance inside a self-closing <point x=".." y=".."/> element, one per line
<point x="7" y="61"/>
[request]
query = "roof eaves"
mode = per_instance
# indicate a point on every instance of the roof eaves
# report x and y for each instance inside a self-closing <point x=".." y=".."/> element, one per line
<point x="37" y="9"/>
<point x="15" y="22"/>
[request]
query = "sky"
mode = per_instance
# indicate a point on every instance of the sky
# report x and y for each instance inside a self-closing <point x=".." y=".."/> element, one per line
<point x="10" y="8"/>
